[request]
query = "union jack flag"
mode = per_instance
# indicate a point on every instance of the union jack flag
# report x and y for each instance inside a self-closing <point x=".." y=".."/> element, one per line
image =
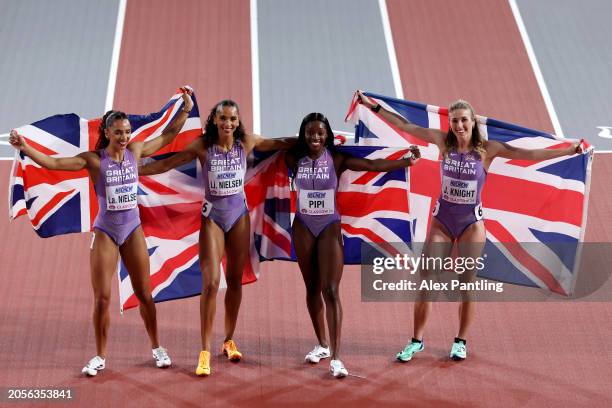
<point x="59" y="202"/>
<point x="373" y="206"/>
<point x="524" y="201"/>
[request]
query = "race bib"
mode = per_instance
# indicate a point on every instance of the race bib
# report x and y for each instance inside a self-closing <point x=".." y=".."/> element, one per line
<point x="121" y="197"/>
<point x="206" y="208"/>
<point x="436" y="209"/>
<point x="478" y="212"/>
<point x="459" y="191"/>
<point x="225" y="183"/>
<point x="317" y="202"/>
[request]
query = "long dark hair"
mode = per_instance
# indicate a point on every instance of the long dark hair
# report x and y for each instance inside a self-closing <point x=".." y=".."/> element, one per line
<point x="211" y="133"/>
<point x="477" y="141"/>
<point x="107" y="121"/>
<point x="300" y="149"/>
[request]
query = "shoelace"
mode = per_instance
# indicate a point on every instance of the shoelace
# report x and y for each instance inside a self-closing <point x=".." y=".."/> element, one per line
<point x="318" y="351"/>
<point x="202" y="360"/>
<point x="94" y="363"/>
<point x="337" y="365"/>
<point x="232" y="346"/>
<point x="162" y="354"/>
<point x="412" y="347"/>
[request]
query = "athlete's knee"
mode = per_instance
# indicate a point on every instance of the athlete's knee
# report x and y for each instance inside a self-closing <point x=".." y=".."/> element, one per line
<point x="467" y="296"/>
<point x="234" y="283"/>
<point x="143" y="296"/>
<point x="331" y="293"/>
<point x="313" y="290"/>
<point x="101" y="302"/>
<point x="423" y="303"/>
<point x="210" y="287"/>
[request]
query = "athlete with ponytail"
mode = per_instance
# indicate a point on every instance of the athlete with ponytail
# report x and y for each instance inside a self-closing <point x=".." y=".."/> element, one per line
<point x="458" y="217"/>
<point x="113" y="169"/>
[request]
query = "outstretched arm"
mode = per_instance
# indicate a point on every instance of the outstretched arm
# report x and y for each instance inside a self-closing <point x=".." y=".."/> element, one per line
<point x="150" y="147"/>
<point x="428" y="135"/>
<point x="176" y="160"/>
<point x="500" y="149"/>
<point x="382" y="165"/>
<point x="263" y="144"/>
<point x="75" y="163"/>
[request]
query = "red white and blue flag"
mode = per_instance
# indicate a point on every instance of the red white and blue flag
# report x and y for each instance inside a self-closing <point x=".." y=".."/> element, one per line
<point x="61" y="202"/>
<point x="373" y="205"/>
<point x="524" y="201"/>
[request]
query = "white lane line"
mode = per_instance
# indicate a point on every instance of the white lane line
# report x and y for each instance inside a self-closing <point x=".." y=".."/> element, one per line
<point x="536" y="68"/>
<point x="397" y="82"/>
<point x="112" y="76"/>
<point x="255" y="69"/>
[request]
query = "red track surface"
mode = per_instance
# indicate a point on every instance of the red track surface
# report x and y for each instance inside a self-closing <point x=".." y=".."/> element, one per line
<point x="515" y="349"/>
<point x="472" y="50"/>
<point x="167" y="44"/>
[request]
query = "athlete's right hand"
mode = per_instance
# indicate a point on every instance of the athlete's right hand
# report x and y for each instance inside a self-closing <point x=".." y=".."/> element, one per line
<point x="364" y="99"/>
<point x="17" y="141"/>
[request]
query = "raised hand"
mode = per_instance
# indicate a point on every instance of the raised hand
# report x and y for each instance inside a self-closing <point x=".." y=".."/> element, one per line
<point x="17" y="141"/>
<point x="414" y="149"/>
<point x="364" y="99"/>
<point x="577" y="147"/>
<point x="187" y="101"/>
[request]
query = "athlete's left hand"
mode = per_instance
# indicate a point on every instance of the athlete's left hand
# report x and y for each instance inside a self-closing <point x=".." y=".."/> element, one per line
<point x="187" y="101"/>
<point x="577" y="147"/>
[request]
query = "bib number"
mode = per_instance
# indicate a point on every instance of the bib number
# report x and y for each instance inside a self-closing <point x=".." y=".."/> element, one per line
<point x="459" y="191"/>
<point x="436" y="209"/>
<point x="206" y="208"/>
<point x="225" y="183"/>
<point x="122" y="197"/>
<point x="478" y="212"/>
<point x="317" y="202"/>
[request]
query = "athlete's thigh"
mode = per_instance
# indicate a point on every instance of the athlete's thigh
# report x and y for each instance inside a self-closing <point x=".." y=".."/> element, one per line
<point x="135" y="256"/>
<point x="470" y="246"/>
<point x="211" y="247"/>
<point x="103" y="259"/>
<point x="330" y="255"/>
<point x="304" y="245"/>
<point x="439" y="243"/>
<point x="237" y="247"/>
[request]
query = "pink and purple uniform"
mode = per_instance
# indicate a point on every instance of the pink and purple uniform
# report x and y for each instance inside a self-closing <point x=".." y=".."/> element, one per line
<point x="224" y="173"/>
<point x="117" y="191"/>
<point x="459" y="205"/>
<point x="316" y="183"/>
